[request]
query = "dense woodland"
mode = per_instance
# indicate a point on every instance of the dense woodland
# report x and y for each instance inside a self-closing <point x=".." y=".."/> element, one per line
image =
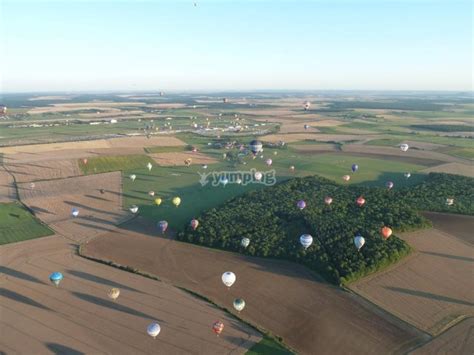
<point x="273" y="223"/>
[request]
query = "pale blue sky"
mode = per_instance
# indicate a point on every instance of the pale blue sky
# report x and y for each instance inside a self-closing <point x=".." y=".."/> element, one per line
<point x="235" y="45"/>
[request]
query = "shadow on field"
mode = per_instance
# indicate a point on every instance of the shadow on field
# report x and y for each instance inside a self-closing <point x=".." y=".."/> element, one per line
<point x="449" y="256"/>
<point x="20" y="298"/>
<point x="88" y="208"/>
<point x="100" y="280"/>
<point x="62" y="349"/>
<point x="39" y="209"/>
<point x="112" y="305"/>
<point x="19" y="275"/>
<point x="95" y="226"/>
<point x="429" y="296"/>
<point x="96" y="198"/>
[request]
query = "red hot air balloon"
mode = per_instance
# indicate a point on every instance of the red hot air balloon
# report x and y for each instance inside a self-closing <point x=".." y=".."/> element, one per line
<point x="194" y="224"/>
<point x="218" y="327"/>
<point x="360" y="201"/>
<point x="386" y="232"/>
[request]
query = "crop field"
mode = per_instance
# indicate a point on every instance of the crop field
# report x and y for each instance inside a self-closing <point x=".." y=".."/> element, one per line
<point x="113" y="163"/>
<point x="17" y="224"/>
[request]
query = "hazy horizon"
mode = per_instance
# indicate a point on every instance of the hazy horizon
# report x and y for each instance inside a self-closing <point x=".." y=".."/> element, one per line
<point x="235" y="46"/>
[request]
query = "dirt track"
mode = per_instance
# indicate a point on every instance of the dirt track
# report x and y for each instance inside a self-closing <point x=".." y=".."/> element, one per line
<point x="282" y="297"/>
<point x="78" y="317"/>
<point x="431" y="288"/>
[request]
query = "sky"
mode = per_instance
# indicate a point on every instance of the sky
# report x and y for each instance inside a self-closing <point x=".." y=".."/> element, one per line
<point x="235" y="45"/>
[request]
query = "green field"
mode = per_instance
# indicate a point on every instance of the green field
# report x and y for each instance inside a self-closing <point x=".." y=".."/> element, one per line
<point x="17" y="224"/>
<point x="268" y="346"/>
<point x="97" y="165"/>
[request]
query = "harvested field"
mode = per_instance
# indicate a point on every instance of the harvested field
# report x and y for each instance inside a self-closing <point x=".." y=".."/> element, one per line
<point x="93" y="105"/>
<point x="167" y="105"/>
<point x="307" y="313"/>
<point x="456" y="340"/>
<point x="78" y="317"/>
<point x="288" y="138"/>
<point x="453" y="168"/>
<point x="311" y="148"/>
<point x="424" y="145"/>
<point x="430" y="289"/>
<point x="7" y="187"/>
<point x="296" y="128"/>
<point x="457" y="225"/>
<point x="178" y="158"/>
<point x="52" y="201"/>
<point x="47" y="170"/>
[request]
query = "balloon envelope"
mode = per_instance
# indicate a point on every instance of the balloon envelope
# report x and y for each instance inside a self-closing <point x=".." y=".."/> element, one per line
<point x="407" y="175"/>
<point x="218" y="327"/>
<point x="301" y="204"/>
<point x="163" y="226"/>
<point x="386" y="232"/>
<point x="328" y="200"/>
<point x="56" y="278"/>
<point x="239" y="304"/>
<point x="149" y="166"/>
<point x="113" y="293"/>
<point x="245" y="242"/>
<point x="151" y="193"/>
<point x="404" y="147"/>
<point x="176" y="201"/>
<point x="134" y="209"/>
<point x="133" y="177"/>
<point x="256" y="146"/>
<point x="355" y="167"/>
<point x="258" y="176"/>
<point x="306" y="240"/>
<point x="360" y="201"/>
<point x="359" y="241"/>
<point x="346" y="177"/>
<point x="228" y="278"/>
<point x="224" y="181"/>
<point x="75" y="212"/>
<point x="158" y="201"/>
<point x="194" y="224"/>
<point x="153" y="330"/>
<point x="450" y="201"/>
<point x="268" y="162"/>
<point x="389" y="184"/>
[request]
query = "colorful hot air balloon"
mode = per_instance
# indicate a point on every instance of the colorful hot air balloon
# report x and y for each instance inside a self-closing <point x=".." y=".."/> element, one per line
<point x="306" y="126"/>
<point x="75" y="212"/>
<point x="194" y="224"/>
<point x="133" y="209"/>
<point x="228" y="278"/>
<point x="218" y="327"/>
<point x="158" y="201"/>
<point x="301" y="204"/>
<point x="404" y="147"/>
<point x="386" y="232"/>
<point x="268" y="162"/>
<point x="149" y="166"/>
<point x="407" y="175"/>
<point x="151" y="193"/>
<point x="153" y="330"/>
<point x="256" y="146"/>
<point x="389" y="184"/>
<point x="307" y="105"/>
<point x="450" y="201"/>
<point x="56" y="278"/>
<point x="133" y="177"/>
<point x="245" y="242"/>
<point x="346" y="178"/>
<point x="355" y="167"/>
<point x="360" y="201"/>
<point x="306" y="240"/>
<point x="239" y="304"/>
<point x="163" y="226"/>
<point x="359" y="241"/>
<point x="258" y="176"/>
<point x="328" y="200"/>
<point x="176" y="201"/>
<point x="188" y="162"/>
<point x="113" y="293"/>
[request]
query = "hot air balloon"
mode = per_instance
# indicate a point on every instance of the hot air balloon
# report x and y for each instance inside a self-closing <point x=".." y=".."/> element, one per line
<point x="102" y="191"/>
<point x="256" y="146"/>
<point x="346" y="177"/>
<point x="306" y="240"/>
<point x="163" y="226"/>
<point x="84" y="161"/>
<point x="306" y="126"/>
<point x="194" y="224"/>
<point x="407" y="175"/>
<point x="258" y="176"/>
<point x="176" y="201"/>
<point x="149" y="166"/>
<point x="301" y="204"/>
<point x="204" y="166"/>
<point x="359" y="241"/>
<point x="75" y="212"/>
<point x="188" y="162"/>
<point x="113" y="293"/>
<point x="389" y="184"/>
<point x="158" y="201"/>
<point x="153" y="330"/>
<point x="224" y="100"/>
<point x="56" y="278"/>
<point x="292" y="168"/>
<point x="151" y="193"/>
<point x="245" y="242"/>
<point x="360" y="201"/>
<point x="307" y="105"/>
<point x="355" y="167"/>
<point x="32" y="185"/>
<point x="404" y="147"/>
<point x="218" y="327"/>
<point x="239" y="304"/>
<point x="275" y="153"/>
<point x="133" y="208"/>
<point x="228" y="278"/>
<point x="238" y="181"/>
<point x="223" y="180"/>
<point x="268" y="162"/>
<point x="450" y="201"/>
<point x="386" y="232"/>
<point x="328" y="200"/>
<point x="133" y="177"/>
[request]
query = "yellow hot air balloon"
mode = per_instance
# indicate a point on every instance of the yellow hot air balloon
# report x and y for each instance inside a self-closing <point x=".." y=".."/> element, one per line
<point x="158" y="201"/>
<point x="176" y="201"/>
